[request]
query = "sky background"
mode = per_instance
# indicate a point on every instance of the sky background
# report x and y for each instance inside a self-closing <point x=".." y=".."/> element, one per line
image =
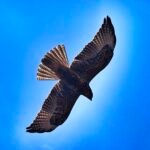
<point x="118" y="118"/>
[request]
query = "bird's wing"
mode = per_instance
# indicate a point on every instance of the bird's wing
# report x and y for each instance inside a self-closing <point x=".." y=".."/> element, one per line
<point x="55" y="109"/>
<point x="96" y="54"/>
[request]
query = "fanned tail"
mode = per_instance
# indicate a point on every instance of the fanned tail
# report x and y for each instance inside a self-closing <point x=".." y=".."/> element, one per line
<point x="51" y="62"/>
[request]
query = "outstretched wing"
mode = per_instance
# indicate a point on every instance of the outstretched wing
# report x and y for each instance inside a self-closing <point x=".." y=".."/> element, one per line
<point x="97" y="54"/>
<point x="55" y="109"/>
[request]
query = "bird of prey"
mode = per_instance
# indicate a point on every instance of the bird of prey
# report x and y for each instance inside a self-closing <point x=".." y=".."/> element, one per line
<point x="73" y="79"/>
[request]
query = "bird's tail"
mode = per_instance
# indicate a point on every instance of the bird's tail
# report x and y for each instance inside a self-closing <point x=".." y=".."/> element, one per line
<point x="51" y="62"/>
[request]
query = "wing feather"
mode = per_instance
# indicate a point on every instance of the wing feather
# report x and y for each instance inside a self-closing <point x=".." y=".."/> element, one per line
<point x="97" y="54"/>
<point x="105" y="36"/>
<point x="55" y="109"/>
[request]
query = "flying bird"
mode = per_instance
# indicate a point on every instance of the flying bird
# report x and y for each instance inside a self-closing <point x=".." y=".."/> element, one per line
<point x="73" y="79"/>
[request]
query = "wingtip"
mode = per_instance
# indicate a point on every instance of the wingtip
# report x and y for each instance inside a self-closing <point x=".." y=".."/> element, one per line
<point x="108" y="19"/>
<point x="31" y="130"/>
<point x="27" y="127"/>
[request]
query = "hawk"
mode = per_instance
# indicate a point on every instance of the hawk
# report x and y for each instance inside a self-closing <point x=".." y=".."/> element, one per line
<point x="73" y="79"/>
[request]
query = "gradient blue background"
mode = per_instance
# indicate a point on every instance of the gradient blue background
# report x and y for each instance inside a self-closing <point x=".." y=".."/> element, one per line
<point x="118" y="118"/>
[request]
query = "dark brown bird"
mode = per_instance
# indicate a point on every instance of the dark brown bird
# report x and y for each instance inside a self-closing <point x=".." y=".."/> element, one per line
<point x="74" y="79"/>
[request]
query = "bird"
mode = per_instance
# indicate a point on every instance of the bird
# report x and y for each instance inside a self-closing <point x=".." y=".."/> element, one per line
<point x="74" y="79"/>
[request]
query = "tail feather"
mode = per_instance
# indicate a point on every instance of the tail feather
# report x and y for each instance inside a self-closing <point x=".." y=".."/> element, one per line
<point x="61" y="53"/>
<point x="44" y="73"/>
<point x="51" y="62"/>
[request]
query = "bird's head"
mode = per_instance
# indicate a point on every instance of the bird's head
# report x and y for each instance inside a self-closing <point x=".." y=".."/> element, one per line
<point x="87" y="92"/>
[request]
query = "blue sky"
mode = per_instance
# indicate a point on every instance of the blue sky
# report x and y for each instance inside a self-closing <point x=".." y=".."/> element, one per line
<point x="118" y="117"/>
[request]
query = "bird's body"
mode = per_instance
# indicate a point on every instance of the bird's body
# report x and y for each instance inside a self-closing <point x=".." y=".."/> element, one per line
<point x="74" y="79"/>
